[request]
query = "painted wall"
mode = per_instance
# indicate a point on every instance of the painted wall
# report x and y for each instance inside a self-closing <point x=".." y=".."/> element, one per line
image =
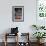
<point x="6" y="15"/>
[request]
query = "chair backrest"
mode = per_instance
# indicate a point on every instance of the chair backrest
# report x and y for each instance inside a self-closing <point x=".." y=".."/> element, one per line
<point x="14" y="30"/>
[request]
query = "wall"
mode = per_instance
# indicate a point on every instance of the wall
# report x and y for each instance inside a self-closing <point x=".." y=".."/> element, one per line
<point x="6" y="15"/>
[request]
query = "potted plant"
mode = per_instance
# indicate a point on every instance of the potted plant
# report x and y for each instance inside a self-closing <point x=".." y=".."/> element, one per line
<point x="39" y="35"/>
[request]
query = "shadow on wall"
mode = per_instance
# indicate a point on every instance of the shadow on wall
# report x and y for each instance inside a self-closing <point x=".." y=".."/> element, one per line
<point x="7" y="31"/>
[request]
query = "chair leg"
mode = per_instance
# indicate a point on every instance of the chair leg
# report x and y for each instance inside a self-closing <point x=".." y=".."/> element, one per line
<point x="5" y="40"/>
<point x="5" y="43"/>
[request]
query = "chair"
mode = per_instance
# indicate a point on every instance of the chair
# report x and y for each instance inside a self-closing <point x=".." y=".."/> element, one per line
<point x="14" y="32"/>
<point x="8" y="36"/>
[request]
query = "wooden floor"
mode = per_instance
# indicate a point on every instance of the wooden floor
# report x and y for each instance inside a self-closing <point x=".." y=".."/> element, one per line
<point x="13" y="44"/>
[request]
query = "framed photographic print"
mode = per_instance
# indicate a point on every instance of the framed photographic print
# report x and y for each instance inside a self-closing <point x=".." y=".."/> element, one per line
<point x="17" y="13"/>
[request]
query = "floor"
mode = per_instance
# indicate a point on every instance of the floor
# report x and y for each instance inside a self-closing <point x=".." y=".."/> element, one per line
<point x="13" y="44"/>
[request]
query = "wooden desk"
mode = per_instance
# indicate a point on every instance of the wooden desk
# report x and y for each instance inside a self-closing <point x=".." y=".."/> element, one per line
<point x="7" y="34"/>
<point x="17" y="43"/>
